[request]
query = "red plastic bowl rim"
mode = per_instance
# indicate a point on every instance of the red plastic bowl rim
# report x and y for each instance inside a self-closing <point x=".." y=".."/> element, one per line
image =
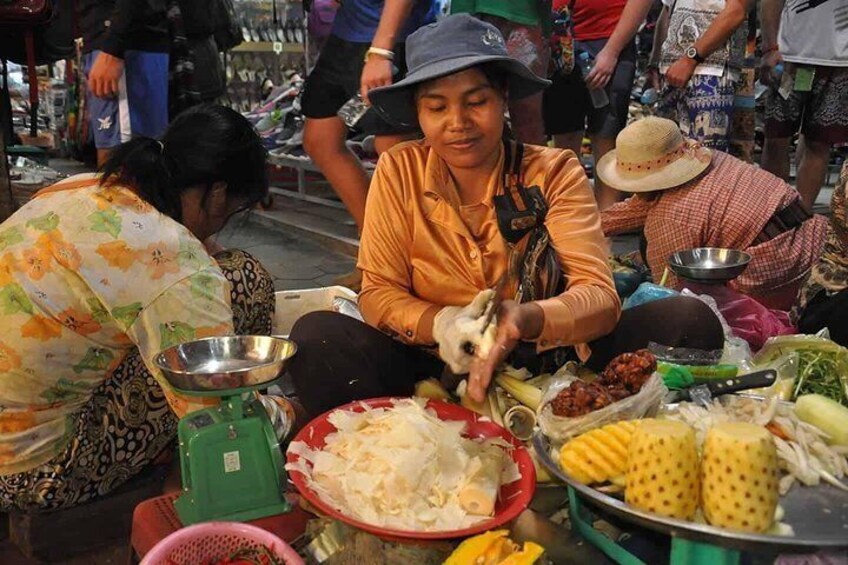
<point x="514" y="506"/>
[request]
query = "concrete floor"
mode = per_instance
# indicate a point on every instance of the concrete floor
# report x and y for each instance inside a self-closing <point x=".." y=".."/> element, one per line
<point x="294" y="261"/>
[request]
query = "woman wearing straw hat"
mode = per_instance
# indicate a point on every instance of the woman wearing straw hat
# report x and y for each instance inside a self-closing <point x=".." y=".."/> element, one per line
<point x="688" y="196"/>
<point x="463" y="216"/>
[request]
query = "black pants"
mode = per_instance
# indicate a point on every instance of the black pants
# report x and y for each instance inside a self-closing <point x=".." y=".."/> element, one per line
<point x="340" y="359"/>
<point x="829" y="312"/>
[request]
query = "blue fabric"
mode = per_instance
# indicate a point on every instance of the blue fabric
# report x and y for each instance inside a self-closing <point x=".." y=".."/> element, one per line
<point x="142" y="106"/>
<point x="357" y="20"/>
<point x="703" y="109"/>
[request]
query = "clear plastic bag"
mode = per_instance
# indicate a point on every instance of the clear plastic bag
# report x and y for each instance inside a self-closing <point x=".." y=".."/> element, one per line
<point x="560" y="429"/>
<point x="787" y="372"/>
<point x="684" y="355"/>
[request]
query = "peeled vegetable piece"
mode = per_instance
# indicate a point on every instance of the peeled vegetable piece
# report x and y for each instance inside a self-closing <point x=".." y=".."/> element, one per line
<point x="600" y="455"/>
<point x="662" y="469"/>
<point x="479" y="495"/>
<point x="740" y="477"/>
<point x="827" y="415"/>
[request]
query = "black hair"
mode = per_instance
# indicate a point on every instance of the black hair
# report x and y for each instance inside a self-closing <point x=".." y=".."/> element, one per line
<point x="203" y="145"/>
<point x="497" y="76"/>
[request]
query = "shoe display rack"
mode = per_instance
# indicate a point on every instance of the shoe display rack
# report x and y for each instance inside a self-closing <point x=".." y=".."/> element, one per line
<point x="265" y="79"/>
<point x="274" y="48"/>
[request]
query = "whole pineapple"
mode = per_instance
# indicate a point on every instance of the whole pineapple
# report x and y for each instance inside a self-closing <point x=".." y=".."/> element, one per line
<point x="662" y="469"/>
<point x="740" y="477"/>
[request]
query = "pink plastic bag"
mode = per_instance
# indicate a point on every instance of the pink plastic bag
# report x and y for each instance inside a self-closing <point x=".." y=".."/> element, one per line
<point x="747" y="318"/>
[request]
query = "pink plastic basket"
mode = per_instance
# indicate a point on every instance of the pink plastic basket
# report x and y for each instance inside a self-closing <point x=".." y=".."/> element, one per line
<point x="197" y="544"/>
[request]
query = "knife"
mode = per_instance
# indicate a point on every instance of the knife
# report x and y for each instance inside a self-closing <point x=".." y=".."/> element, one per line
<point x="704" y="393"/>
<point x="491" y="309"/>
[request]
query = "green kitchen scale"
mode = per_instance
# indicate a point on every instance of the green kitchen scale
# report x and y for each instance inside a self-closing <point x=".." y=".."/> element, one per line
<point x="230" y="458"/>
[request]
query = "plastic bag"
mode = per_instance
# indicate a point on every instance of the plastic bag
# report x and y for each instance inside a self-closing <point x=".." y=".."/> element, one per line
<point x="648" y="292"/>
<point x="560" y="429"/>
<point x="822" y="364"/>
<point x="747" y="318"/>
<point x="684" y="355"/>
<point x="787" y="372"/>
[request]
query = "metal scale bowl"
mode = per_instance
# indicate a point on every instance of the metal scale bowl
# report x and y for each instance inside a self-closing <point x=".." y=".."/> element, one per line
<point x="230" y="458"/>
<point x="709" y="265"/>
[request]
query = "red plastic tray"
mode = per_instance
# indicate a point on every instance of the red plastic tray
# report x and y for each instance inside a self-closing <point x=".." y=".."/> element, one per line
<point x="512" y="500"/>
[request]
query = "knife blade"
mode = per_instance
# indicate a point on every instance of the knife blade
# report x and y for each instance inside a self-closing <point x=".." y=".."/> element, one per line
<point x="495" y="304"/>
<point x="491" y="309"/>
<point x="704" y="393"/>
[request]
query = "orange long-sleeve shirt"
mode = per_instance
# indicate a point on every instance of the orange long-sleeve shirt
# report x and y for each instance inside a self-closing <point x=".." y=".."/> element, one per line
<point x="421" y="250"/>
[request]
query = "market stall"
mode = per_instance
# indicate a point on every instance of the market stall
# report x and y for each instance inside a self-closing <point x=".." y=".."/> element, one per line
<point x="721" y="453"/>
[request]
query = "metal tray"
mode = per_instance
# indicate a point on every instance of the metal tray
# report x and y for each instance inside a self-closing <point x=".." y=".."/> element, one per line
<point x="819" y="515"/>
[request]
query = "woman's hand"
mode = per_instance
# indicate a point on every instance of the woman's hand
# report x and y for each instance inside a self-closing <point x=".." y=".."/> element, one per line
<point x="602" y="71"/>
<point x="459" y="329"/>
<point x="515" y="322"/>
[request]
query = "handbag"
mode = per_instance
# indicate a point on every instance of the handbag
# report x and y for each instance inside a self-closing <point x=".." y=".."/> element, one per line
<point x="521" y="213"/>
<point x="29" y="15"/>
<point x="25" y="12"/>
<point x="227" y="31"/>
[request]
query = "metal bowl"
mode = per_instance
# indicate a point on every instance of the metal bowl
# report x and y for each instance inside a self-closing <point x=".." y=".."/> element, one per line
<point x="225" y="364"/>
<point x="711" y="265"/>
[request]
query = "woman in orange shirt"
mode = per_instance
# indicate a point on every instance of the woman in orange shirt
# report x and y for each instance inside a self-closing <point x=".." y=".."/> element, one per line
<point x="461" y="216"/>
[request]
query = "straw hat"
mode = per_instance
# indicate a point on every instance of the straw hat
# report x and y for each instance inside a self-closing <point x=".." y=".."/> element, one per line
<point x="651" y="154"/>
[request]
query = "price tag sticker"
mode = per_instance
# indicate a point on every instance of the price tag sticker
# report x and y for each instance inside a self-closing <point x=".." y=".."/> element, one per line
<point x="277" y="47"/>
<point x="232" y="462"/>
<point x="804" y="79"/>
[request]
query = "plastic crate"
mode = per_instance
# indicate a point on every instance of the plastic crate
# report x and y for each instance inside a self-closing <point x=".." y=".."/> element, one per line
<point x="293" y="304"/>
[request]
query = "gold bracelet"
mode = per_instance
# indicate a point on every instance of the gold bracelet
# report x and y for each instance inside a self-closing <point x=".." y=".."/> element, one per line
<point x="384" y="53"/>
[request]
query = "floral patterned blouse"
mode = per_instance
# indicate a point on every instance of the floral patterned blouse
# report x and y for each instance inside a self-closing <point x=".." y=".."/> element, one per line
<point x="87" y="272"/>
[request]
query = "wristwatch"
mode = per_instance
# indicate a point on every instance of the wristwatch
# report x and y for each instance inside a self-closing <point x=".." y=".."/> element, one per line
<point x="692" y="53"/>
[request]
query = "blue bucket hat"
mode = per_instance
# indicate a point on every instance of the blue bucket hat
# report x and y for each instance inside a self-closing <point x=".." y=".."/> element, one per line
<point x="451" y="45"/>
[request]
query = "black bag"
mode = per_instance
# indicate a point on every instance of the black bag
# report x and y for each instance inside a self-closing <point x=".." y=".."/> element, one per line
<point x="53" y="39"/>
<point x="521" y="215"/>
<point x="227" y="30"/>
<point x="36" y="32"/>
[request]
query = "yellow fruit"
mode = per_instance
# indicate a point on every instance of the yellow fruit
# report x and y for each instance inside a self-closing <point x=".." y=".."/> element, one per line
<point x="662" y="469"/>
<point x="494" y="548"/>
<point x="600" y="455"/>
<point x="542" y="474"/>
<point x="528" y="555"/>
<point x="431" y="388"/>
<point x="740" y="477"/>
<point x="471" y="549"/>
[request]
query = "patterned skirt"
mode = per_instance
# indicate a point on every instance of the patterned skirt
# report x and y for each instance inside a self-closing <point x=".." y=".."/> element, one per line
<point x="127" y="423"/>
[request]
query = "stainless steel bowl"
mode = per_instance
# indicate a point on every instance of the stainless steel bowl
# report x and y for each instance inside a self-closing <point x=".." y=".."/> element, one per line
<point x="709" y="264"/>
<point x="225" y="363"/>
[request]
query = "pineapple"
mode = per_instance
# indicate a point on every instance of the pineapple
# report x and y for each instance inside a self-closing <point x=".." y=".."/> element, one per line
<point x="740" y="477"/>
<point x="662" y="469"/>
<point x="600" y="455"/>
